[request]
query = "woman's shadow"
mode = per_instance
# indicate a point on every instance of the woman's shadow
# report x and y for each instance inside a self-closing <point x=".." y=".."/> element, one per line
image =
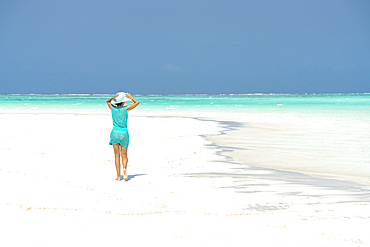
<point x="129" y="177"/>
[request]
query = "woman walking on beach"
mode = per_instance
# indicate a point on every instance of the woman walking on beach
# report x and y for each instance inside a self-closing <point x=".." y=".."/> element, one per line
<point x="119" y="137"/>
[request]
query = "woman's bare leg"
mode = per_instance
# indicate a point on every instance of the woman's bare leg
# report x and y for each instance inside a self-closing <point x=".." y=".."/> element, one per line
<point x="117" y="161"/>
<point x="124" y="162"/>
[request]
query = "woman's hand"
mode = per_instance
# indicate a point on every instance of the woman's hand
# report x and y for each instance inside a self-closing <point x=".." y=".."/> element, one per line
<point x="132" y="106"/>
<point x="110" y="99"/>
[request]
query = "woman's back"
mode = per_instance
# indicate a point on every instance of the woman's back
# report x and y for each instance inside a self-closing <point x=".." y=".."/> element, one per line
<point x="119" y="116"/>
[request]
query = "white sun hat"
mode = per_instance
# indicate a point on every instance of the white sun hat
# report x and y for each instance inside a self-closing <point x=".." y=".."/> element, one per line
<point x="120" y="98"/>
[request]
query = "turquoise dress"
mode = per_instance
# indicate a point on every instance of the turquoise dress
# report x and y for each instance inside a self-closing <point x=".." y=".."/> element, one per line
<point x="119" y="133"/>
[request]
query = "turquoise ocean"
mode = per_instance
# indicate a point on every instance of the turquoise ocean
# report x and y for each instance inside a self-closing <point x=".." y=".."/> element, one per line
<point x="180" y="105"/>
<point x="326" y="135"/>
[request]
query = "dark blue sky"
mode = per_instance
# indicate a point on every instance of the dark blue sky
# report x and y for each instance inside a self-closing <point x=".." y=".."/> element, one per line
<point x="163" y="47"/>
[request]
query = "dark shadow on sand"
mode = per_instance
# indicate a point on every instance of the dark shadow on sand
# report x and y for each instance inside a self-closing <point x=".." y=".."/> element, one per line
<point x="132" y="176"/>
<point x="245" y="179"/>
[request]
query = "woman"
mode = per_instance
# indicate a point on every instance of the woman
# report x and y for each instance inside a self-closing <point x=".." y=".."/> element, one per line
<point x="119" y="137"/>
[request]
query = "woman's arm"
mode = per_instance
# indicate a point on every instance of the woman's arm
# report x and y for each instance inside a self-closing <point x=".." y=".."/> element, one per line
<point x="110" y="99"/>
<point x="132" y="106"/>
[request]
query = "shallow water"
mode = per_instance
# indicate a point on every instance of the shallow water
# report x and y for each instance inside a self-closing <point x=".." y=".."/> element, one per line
<point x="326" y="135"/>
<point x="190" y="105"/>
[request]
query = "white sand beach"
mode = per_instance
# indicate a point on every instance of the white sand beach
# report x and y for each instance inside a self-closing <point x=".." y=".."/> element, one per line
<point x="58" y="188"/>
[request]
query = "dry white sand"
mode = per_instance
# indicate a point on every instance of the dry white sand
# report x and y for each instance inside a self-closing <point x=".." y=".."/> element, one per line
<point x="58" y="189"/>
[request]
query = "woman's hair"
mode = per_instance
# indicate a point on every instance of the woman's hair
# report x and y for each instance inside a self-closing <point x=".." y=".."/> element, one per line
<point x="120" y="104"/>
